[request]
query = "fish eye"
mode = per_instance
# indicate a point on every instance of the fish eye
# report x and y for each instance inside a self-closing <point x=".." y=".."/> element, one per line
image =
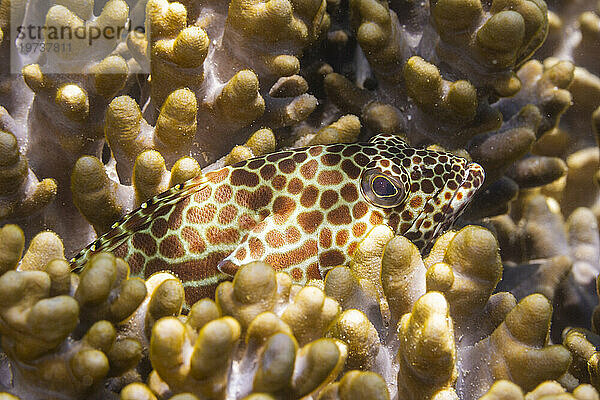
<point x="382" y="190"/>
<point x="383" y="187"/>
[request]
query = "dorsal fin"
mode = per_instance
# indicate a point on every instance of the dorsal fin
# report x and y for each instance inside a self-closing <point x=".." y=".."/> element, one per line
<point x="137" y="220"/>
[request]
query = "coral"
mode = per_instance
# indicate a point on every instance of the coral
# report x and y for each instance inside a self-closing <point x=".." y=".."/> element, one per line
<point x="407" y="62"/>
<point x="353" y="327"/>
<point x="504" y="306"/>
<point x="91" y="96"/>
<point x="263" y="87"/>
<point x="427" y="349"/>
<point x="62" y="114"/>
<point x="468" y="272"/>
<point x="544" y="85"/>
<point x="60" y="340"/>
<point x="205" y="370"/>
<point x="76" y="335"/>
<point x="205" y="342"/>
<point x="582" y="345"/>
<point x="521" y="340"/>
<point x="552" y="256"/>
<point x="546" y="390"/>
<point x="260" y="143"/>
<point x="173" y="135"/>
<point x="103" y="201"/>
<point x="430" y="73"/>
<point x="22" y="194"/>
<point x="357" y="385"/>
<point x="216" y="78"/>
<point x="283" y="340"/>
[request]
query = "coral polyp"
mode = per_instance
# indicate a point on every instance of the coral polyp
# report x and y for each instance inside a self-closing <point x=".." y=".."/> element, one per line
<point x="264" y="334"/>
<point x="286" y="199"/>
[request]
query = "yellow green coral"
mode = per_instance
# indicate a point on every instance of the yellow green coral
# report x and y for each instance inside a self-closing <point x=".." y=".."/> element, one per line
<point x="14" y="174"/>
<point x="41" y="316"/>
<point x="231" y="81"/>
<point x="300" y="337"/>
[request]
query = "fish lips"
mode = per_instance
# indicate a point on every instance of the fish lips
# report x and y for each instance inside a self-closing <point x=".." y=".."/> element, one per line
<point x="472" y="180"/>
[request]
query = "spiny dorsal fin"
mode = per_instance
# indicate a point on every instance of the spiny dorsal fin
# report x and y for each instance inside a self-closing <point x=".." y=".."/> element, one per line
<point x="136" y="220"/>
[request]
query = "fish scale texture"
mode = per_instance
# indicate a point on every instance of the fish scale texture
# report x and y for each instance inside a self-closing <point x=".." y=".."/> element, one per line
<point x="303" y="211"/>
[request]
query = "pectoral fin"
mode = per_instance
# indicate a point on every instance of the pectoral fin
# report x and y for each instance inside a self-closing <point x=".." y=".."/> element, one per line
<point x="252" y="247"/>
<point x="280" y="245"/>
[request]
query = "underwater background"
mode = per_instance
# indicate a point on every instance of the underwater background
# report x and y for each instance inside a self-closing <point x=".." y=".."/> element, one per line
<point x="503" y="306"/>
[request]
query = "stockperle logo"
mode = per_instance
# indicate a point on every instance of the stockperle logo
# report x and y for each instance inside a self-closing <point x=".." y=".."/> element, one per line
<point x="68" y="36"/>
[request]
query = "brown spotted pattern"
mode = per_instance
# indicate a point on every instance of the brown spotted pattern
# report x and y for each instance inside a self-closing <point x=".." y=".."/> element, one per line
<point x="303" y="211"/>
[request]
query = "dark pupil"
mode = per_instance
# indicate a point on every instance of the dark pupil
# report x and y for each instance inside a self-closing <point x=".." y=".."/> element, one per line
<point x="383" y="187"/>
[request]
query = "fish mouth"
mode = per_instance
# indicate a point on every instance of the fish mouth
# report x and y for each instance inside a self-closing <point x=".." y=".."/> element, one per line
<point x="450" y="209"/>
<point x="472" y="180"/>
